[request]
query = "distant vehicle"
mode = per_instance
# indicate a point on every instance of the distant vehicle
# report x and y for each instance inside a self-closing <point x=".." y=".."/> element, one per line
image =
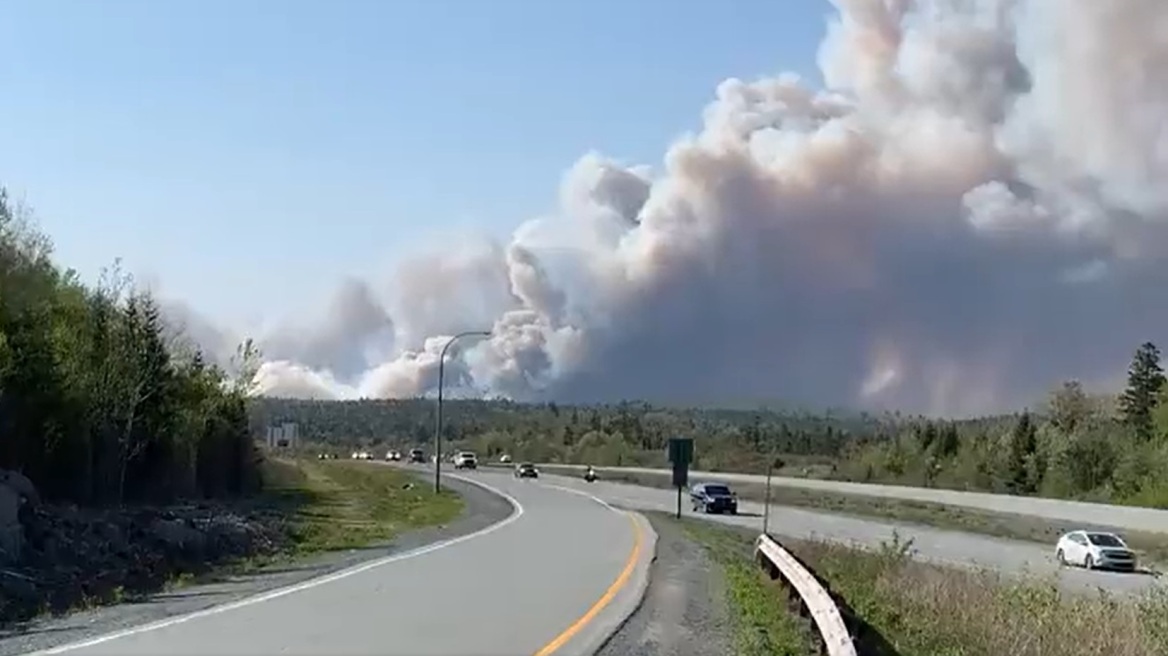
<point x="417" y="455"/>
<point x="1095" y="550"/>
<point x="526" y="470"/>
<point x="466" y="460"/>
<point x="590" y="474"/>
<point x="393" y="456"/>
<point x="505" y="459"/>
<point x="713" y="498"/>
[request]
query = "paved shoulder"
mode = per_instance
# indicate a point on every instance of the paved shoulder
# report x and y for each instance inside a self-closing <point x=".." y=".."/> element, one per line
<point x="540" y="582"/>
<point x="684" y="611"/>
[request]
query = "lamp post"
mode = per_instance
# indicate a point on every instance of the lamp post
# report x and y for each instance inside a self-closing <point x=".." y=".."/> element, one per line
<point x="438" y="414"/>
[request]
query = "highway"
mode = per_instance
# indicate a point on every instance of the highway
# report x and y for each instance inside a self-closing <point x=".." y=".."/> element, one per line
<point x="556" y="577"/>
<point x="935" y="545"/>
<point x="1129" y="518"/>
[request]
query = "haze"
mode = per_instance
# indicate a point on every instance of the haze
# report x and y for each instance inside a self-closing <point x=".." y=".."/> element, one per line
<point x="966" y="208"/>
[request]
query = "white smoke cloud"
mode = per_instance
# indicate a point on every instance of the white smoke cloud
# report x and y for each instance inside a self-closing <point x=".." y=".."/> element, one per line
<point x="973" y="208"/>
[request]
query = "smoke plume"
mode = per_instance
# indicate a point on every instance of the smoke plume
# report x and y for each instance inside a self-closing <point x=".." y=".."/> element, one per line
<point x="972" y="208"/>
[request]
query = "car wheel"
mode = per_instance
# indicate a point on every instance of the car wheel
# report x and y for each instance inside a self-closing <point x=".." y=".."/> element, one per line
<point x="1061" y="557"/>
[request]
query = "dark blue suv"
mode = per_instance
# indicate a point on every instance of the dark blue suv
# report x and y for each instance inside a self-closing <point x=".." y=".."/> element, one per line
<point x="713" y="498"/>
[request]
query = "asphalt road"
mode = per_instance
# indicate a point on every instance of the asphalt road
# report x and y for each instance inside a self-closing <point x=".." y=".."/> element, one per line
<point x="1098" y="514"/>
<point x="558" y="576"/>
<point x="936" y="545"/>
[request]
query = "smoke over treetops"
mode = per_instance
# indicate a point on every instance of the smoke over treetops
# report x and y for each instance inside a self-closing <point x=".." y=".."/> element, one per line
<point x="974" y="209"/>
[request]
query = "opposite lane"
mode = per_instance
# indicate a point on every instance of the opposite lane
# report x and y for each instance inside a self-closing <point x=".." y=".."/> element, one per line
<point x="514" y="588"/>
<point x="1129" y="518"/>
<point x="936" y="545"/>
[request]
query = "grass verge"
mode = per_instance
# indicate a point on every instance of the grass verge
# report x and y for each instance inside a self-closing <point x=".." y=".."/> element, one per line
<point x="337" y="504"/>
<point x="763" y="623"/>
<point x="1152" y="547"/>
<point x="911" y="608"/>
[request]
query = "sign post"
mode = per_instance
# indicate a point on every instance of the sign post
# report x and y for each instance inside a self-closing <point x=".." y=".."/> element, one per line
<point x="776" y="463"/>
<point x="681" y="451"/>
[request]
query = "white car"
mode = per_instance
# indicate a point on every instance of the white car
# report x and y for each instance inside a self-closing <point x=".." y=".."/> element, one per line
<point x="466" y="460"/>
<point x="505" y="459"/>
<point x="1095" y="550"/>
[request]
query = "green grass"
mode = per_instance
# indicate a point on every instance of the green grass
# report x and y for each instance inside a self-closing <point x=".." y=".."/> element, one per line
<point x="763" y="623"/>
<point x="899" y="606"/>
<point x="337" y="504"/>
<point x="1152" y="547"/>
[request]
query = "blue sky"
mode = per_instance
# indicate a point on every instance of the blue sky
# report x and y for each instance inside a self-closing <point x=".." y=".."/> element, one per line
<point x="247" y="154"/>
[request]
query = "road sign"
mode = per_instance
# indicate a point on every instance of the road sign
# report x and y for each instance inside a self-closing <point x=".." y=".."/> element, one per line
<point x="681" y="450"/>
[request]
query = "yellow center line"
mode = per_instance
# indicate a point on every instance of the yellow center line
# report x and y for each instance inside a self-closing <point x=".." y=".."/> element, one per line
<point x="604" y="600"/>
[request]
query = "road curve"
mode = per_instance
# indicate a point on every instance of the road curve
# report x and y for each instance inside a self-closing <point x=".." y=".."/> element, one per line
<point x="1128" y="518"/>
<point x="935" y="545"/>
<point x="556" y="577"/>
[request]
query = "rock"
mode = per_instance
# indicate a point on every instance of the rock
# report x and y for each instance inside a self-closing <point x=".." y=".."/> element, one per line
<point x="21" y="484"/>
<point x="175" y="533"/>
<point x="11" y="532"/>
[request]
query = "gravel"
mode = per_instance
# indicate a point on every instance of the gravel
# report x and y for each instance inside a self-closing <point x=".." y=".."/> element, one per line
<point x="482" y="509"/>
<point x="684" y="612"/>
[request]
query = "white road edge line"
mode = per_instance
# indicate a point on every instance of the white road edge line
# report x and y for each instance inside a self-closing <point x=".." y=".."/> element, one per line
<point x="585" y="494"/>
<point x="517" y="512"/>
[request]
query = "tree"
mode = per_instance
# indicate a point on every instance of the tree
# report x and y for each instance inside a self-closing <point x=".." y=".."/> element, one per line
<point x="948" y="442"/>
<point x="1145" y="381"/>
<point x="1069" y="407"/>
<point x="1023" y="446"/>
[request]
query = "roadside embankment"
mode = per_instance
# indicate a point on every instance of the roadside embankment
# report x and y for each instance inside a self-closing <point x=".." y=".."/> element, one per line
<point x="63" y="558"/>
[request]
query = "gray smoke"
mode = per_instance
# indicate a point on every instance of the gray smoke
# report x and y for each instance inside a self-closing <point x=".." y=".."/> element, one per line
<point x="973" y="209"/>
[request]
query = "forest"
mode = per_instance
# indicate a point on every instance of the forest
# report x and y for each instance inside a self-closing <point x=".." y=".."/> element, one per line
<point x="102" y="404"/>
<point x="1077" y="445"/>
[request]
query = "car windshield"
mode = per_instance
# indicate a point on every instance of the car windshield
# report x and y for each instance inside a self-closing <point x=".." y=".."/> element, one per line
<point x="718" y="489"/>
<point x="527" y="466"/>
<point x="1105" y="540"/>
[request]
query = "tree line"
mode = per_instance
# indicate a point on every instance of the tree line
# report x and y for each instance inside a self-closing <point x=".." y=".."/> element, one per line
<point x="101" y="403"/>
<point x="1076" y="445"/>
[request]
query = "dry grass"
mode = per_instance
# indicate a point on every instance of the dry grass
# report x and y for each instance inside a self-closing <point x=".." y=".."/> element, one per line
<point x="917" y="609"/>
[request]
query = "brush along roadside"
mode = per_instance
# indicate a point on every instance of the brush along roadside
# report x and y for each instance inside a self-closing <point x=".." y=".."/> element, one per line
<point x="895" y="605"/>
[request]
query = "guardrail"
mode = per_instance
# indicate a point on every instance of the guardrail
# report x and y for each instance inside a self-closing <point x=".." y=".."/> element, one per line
<point x="813" y="598"/>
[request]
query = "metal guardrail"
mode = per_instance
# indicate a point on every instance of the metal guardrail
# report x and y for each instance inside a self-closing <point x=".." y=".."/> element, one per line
<point x="813" y="597"/>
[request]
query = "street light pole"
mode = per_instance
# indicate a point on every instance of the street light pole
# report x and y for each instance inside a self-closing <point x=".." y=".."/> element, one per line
<point x="438" y="414"/>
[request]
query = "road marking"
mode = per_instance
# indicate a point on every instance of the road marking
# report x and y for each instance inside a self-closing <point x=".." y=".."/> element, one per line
<point x="583" y="494"/>
<point x="621" y="580"/>
<point x="517" y="512"/>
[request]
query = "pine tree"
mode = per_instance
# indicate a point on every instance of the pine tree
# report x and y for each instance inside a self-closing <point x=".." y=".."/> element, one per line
<point x="1145" y="380"/>
<point x="1023" y="445"/>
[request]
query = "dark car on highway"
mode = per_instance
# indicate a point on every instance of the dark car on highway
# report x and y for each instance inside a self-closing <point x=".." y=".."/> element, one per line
<point x="526" y="470"/>
<point x="417" y="455"/>
<point x="713" y="498"/>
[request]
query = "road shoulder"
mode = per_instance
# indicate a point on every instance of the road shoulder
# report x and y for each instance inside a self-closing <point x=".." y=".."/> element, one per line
<point x="684" y="611"/>
<point x="482" y="509"/>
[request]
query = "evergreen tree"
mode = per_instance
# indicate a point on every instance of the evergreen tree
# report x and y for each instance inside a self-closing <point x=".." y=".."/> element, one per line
<point x="1145" y="380"/>
<point x="1023" y="445"/>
